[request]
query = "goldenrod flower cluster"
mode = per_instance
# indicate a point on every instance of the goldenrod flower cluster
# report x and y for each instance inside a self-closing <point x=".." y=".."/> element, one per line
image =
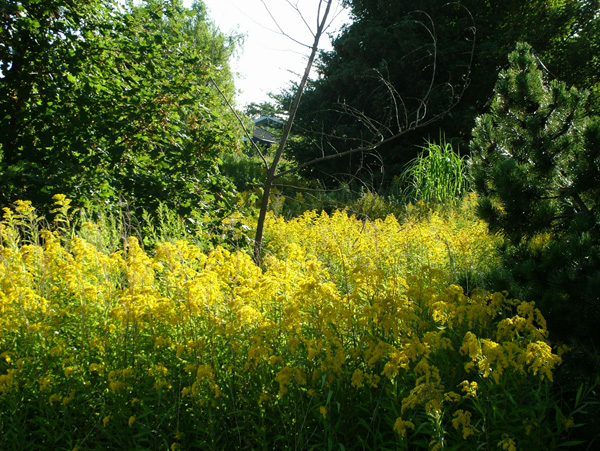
<point x="347" y="321"/>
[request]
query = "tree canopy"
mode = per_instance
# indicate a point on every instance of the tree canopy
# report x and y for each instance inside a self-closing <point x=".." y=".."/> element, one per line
<point x="395" y="55"/>
<point x="100" y="100"/>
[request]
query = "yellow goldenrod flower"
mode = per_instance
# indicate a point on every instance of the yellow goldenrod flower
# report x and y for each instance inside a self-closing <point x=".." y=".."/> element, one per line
<point x="462" y="420"/>
<point x="357" y="378"/>
<point x="323" y="411"/>
<point x="568" y="423"/>
<point x="507" y="443"/>
<point x="339" y="303"/>
<point x="96" y="367"/>
<point x="54" y="398"/>
<point x="264" y="397"/>
<point x="469" y="388"/>
<point x="452" y="397"/>
<point x="400" y="426"/>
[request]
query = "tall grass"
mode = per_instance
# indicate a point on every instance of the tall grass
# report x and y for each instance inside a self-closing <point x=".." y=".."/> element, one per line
<point x="438" y="175"/>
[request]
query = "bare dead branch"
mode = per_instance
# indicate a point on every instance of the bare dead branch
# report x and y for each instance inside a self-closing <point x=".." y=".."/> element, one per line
<point x="420" y="114"/>
<point x="370" y="147"/>
<point x="281" y="31"/>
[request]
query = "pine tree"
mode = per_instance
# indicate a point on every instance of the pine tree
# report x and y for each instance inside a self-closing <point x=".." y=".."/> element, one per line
<point x="536" y="168"/>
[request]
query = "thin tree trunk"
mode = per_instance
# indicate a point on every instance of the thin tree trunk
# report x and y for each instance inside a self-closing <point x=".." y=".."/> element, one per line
<point x="271" y="172"/>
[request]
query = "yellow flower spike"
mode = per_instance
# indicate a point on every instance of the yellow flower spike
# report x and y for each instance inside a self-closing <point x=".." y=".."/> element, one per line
<point x="452" y="397"/>
<point x="131" y="420"/>
<point x="275" y="360"/>
<point x="469" y="388"/>
<point x="67" y="399"/>
<point x="462" y="420"/>
<point x="357" y="378"/>
<point x="568" y="423"/>
<point x="264" y="397"/>
<point x="530" y="427"/>
<point x="24" y="207"/>
<point x="429" y="395"/>
<point x="54" y="398"/>
<point x="283" y="377"/>
<point x="323" y="411"/>
<point x="60" y="199"/>
<point x="470" y="346"/>
<point x="427" y="373"/>
<point x="7" y="382"/>
<point x="541" y="359"/>
<point x="95" y="367"/>
<point x="507" y="443"/>
<point x="401" y="426"/>
<point x="5" y="355"/>
<point x="105" y="420"/>
<point x="45" y="382"/>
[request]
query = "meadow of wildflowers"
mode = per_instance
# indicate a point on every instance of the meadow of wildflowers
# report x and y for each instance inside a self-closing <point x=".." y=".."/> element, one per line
<point x="353" y="335"/>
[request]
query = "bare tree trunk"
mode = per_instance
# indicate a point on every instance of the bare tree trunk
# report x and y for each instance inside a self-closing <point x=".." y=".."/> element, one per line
<point x="272" y="170"/>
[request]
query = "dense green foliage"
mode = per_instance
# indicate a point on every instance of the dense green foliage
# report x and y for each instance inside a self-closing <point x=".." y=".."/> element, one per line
<point x="105" y="101"/>
<point x="372" y="83"/>
<point x="536" y="165"/>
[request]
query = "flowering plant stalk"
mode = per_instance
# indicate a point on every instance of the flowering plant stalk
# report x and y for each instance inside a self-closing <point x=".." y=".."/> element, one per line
<point x="352" y="334"/>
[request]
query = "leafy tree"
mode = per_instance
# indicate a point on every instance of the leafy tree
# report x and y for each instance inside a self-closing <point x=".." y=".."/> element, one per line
<point x="384" y="60"/>
<point x="273" y="108"/>
<point x="536" y="166"/>
<point x="100" y="100"/>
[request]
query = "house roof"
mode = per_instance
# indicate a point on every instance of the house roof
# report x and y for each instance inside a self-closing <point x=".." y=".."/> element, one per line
<point x="267" y="120"/>
<point x="262" y="135"/>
